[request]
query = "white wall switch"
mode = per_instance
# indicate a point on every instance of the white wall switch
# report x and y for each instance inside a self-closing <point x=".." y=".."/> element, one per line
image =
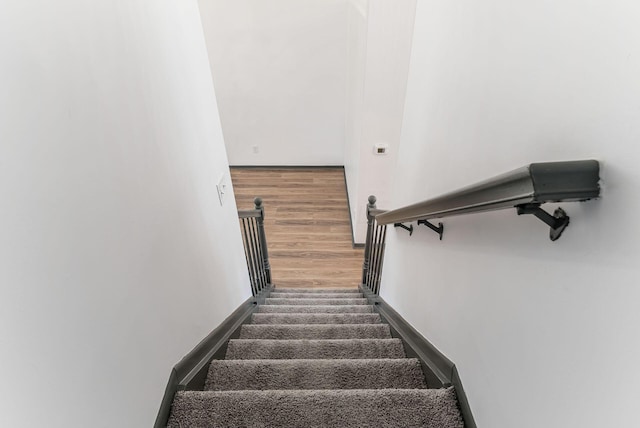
<point x="222" y="188"/>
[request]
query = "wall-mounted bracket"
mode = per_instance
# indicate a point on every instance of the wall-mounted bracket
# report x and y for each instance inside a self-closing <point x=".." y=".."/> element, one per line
<point x="558" y="222"/>
<point x="437" y="229"/>
<point x="408" y="228"/>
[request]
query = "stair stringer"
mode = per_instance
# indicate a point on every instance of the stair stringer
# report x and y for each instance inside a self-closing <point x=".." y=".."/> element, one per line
<point x="440" y="371"/>
<point x="190" y="373"/>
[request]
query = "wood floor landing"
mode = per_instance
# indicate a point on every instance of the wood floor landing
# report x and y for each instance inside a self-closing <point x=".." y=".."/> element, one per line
<point x="306" y="222"/>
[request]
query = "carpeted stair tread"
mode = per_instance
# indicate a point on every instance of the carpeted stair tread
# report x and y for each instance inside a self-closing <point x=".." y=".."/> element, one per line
<point x="327" y="309"/>
<point x="276" y="295"/>
<point x="408" y="408"/>
<point x="304" y="318"/>
<point x="251" y="349"/>
<point x="315" y="331"/>
<point x="316" y="290"/>
<point x="316" y="358"/>
<point x="233" y="375"/>
<point x="357" y="301"/>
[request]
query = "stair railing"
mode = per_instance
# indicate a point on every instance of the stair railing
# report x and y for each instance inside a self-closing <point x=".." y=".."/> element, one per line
<point x="373" y="249"/>
<point x="526" y="189"/>
<point x="255" y="246"/>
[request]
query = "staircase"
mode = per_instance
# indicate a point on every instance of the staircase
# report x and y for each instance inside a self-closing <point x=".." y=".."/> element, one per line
<point x="316" y="358"/>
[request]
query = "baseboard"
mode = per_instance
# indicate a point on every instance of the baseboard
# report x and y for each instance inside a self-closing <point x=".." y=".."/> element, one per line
<point x="286" y="166"/>
<point x="438" y="369"/>
<point x="463" y="402"/>
<point x="191" y="372"/>
<point x="353" y="241"/>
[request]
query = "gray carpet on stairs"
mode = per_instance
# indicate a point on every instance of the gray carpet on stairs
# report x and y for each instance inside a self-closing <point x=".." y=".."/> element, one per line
<point x="248" y="349"/>
<point x="316" y="290"/>
<point x="404" y="373"/>
<point x="375" y="408"/>
<point x="316" y="309"/>
<point x="305" y="301"/>
<point x="275" y="295"/>
<point x="315" y="331"/>
<point x="315" y="358"/>
<point x="316" y="319"/>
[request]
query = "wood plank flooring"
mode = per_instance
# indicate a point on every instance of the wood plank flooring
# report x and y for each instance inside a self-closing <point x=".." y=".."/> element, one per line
<point x="306" y="223"/>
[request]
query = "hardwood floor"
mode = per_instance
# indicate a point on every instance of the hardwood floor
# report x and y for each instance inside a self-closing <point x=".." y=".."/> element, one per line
<point x="306" y="223"/>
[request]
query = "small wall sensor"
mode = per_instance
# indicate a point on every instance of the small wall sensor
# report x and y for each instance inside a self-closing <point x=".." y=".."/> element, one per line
<point x="380" y="149"/>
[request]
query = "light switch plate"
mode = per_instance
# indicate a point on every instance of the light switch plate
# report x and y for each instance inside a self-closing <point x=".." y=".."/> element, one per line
<point x="222" y="188"/>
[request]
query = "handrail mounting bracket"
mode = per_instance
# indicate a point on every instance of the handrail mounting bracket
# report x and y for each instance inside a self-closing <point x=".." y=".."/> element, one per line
<point x="407" y="228"/>
<point x="439" y="229"/>
<point x="558" y="222"/>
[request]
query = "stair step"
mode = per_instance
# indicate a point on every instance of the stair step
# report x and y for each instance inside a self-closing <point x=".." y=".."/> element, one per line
<point x="277" y="295"/>
<point x="316" y="318"/>
<point x="315" y="331"/>
<point x="301" y="301"/>
<point x="252" y="349"/>
<point x="333" y="309"/>
<point x="430" y="408"/>
<point x="227" y="375"/>
<point x="316" y="290"/>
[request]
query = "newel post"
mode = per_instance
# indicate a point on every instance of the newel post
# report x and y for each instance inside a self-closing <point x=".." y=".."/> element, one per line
<point x="263" y="239"/>
<point x="367" y="247"/>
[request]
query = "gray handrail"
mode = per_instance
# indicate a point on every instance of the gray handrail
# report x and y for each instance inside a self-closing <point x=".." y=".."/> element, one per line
<point x="525" y="189"/>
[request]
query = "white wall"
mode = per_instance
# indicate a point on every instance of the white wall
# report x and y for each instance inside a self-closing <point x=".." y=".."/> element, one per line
<point x="380" y="45"/>
<point x="115" y="257"/>
<point x="357" y="20"/>
<point x="279" y="72"/>
<point x="545" y="334"/>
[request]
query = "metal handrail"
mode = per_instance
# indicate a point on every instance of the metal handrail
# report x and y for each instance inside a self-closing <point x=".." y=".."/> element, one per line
<point x="524" y="189"/>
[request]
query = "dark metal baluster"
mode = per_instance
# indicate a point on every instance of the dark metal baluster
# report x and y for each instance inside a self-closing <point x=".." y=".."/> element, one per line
<point x="260" y="258"/>
<point x="376" y="252"/>
<point x="249" y="256"/>
<point x="244" y="245"/>
<point x="371" y="253"/>
<point x="367" y="257"/>
<point x="376" y="260"/>
<point x="372" y="256"/>
<point x="254" y="245"/>
<point x="378" y="255"/>
<point x="263" y="279"/>
<point x="263" y="241"/>
<point x="382" y="244"/>
<point x="256" y="253"/>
